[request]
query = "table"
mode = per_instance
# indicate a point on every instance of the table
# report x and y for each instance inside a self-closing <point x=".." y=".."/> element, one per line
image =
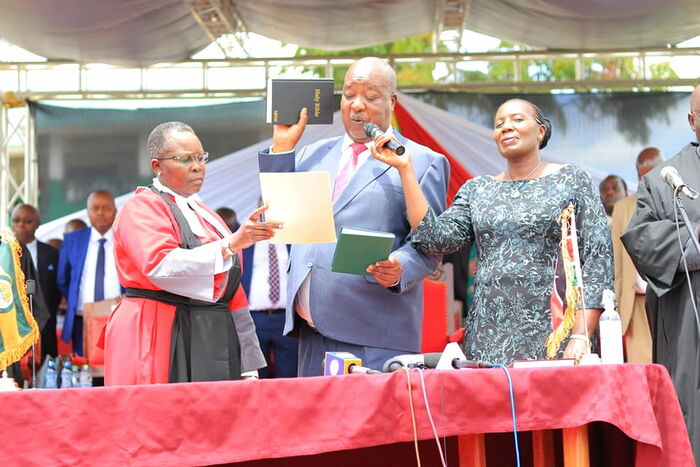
<point x="224" y="422"/>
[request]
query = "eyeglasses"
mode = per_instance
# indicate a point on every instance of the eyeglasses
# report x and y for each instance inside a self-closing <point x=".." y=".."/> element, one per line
<point x="187" y="159"/>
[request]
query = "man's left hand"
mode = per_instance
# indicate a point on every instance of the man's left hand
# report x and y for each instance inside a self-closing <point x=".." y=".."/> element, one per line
<point x="387" y="272"/>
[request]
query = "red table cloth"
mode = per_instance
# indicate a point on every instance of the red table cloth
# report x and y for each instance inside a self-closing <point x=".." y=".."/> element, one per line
<point x="222" y="422"/>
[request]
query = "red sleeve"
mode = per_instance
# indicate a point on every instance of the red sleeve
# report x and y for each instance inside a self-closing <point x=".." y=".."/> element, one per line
<point x="239" y="300"/>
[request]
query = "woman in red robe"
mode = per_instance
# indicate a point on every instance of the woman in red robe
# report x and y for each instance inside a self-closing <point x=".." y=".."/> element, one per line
<point x="184" y="316"/>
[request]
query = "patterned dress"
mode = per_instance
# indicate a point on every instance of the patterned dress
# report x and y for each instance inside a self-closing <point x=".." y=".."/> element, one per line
<point x="517" y="239"/>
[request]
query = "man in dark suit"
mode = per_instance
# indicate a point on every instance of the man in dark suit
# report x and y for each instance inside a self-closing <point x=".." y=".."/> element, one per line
<point x="86" y="268"/>
<point x="378" y="315"/>
<point x="264" y="280"/>
<point x="25" y="221"/>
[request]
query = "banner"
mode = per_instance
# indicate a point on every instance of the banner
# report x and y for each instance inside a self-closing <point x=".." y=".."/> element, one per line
<point x="18" y="330"/>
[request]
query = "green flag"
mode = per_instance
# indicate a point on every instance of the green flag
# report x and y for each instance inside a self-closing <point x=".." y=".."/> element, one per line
<point x="18" y="330"/>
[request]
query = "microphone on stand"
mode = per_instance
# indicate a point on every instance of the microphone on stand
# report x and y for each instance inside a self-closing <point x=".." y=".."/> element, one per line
<point x="459" y="363"/>
<point x="673" y="179"/>
<point x="404" y="361"/>
<point x="431" y="361"/>
<point x="372" y="131"/>
<point x="30" y="285"/>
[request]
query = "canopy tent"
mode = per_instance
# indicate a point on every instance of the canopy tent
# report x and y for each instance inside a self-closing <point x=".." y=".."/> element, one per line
<point x="148" y="31"/>
<point x="232" y="180"/>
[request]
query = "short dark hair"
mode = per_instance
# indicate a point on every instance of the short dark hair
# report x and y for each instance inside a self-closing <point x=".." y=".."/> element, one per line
<point x="158" y="139"/>
<point x="613" y="177"/>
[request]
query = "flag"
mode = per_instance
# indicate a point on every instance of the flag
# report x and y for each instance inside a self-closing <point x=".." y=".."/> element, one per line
<point x="18" y="330"/>
<point x="574" y="281"/>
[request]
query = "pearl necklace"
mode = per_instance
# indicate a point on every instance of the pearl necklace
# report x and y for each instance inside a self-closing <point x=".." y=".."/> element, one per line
<point x="516" y="191"/>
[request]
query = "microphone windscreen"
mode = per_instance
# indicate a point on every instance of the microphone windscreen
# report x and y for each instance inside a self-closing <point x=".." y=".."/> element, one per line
<point x="667" y="174"/>
<point x="371" y="130"/>
<point x="392" y="364"/>
<point x="30" y="286"/>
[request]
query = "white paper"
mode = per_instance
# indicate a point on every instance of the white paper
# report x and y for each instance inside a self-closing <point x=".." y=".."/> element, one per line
<point x="302" y="201"/>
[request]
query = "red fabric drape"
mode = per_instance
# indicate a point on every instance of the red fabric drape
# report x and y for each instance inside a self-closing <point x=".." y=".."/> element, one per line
<point x="220" y="422"/>
<point x="412" y="130"/>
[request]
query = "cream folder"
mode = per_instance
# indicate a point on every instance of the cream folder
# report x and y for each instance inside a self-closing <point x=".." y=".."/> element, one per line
<point x="302" y="201"/>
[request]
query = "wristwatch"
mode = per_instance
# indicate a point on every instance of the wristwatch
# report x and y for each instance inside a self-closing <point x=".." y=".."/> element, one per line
<point x="225" y="244"/>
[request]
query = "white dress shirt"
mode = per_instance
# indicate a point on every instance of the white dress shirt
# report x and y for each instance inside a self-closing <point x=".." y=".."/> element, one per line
<point x="259" y="297"/>
<point x="87" y="279"/>
<point x="32" y="247"/>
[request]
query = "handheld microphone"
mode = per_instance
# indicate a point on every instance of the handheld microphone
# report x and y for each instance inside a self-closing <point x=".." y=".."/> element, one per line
<point x="421" y="360"/>
<point x="357" y="369"/>
<point x="459" y="363"/>
<point x="403" y="361"/>
<point x="372" y="131"/>
<point x="344" y="363"/>
<point x="673" y="179"/>
<point x="432" y="360"/>
<point x="30" y="285"/>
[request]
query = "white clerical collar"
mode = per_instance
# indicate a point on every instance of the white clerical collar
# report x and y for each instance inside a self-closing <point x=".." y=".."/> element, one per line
<point x="347" y="140"/>
<point x="190" y="204"/>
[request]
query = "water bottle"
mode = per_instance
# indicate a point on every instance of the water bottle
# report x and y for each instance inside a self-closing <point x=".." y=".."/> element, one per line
<point x="610" y="331"/>
<point x="66" y="376"/>
<point x="85" y="377"/>
<point x="75" y="376"/>
<point x="50" y="377"/>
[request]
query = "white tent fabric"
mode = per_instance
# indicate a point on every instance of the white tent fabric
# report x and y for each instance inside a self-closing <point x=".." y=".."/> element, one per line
<point x="590" y="24"/>
<point x="232" y="180"/>
<point x="147" y="31"/>
<point x="128" y="32"/>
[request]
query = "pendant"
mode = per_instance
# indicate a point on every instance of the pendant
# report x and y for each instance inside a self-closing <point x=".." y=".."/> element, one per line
<point x="515" y="194"/>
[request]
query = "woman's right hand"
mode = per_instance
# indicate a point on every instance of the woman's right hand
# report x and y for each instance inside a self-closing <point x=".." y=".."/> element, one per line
<point x="382" y="153"/>
<point x="251" y="231"/>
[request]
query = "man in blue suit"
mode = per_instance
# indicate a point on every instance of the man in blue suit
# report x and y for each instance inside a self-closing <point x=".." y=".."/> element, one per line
<point x="379" y="315"/>
<point x="86" y="268"/>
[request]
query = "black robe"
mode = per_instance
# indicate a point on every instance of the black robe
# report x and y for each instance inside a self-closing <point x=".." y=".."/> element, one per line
<point x="652" y="241"/>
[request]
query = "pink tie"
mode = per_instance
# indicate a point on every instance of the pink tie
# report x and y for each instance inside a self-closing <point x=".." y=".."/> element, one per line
<point x="345" y="174"/>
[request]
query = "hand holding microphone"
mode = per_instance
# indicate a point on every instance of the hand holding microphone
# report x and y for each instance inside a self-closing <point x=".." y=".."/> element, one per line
<point x="373" y="131"/>
<point x="386" y="149"/>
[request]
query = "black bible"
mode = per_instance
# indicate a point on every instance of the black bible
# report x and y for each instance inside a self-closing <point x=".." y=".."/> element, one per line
<point x="286" y="98"/>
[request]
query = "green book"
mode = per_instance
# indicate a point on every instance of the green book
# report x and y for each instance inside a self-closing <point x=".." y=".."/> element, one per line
<point x="358" y="248"/>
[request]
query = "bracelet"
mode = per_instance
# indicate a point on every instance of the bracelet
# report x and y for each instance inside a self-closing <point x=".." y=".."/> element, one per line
<point x="226" y="246"/>
<point x="580" y="337"/>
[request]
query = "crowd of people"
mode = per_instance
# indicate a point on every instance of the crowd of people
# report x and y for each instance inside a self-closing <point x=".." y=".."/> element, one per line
<point x="207" y="297"/>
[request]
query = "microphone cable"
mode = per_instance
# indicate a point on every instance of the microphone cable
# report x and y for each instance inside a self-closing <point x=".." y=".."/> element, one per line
<point x="678" y="205"/>
<point x="413" y="415"/>
<point x="512" y="411"/>
<point x="430" y="417"/>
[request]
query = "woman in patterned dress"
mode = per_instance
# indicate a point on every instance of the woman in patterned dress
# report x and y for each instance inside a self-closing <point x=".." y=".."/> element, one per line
<point x="513" y="219"/>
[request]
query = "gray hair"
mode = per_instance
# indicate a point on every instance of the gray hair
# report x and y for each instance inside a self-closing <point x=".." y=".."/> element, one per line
<point x="159" y="140"/>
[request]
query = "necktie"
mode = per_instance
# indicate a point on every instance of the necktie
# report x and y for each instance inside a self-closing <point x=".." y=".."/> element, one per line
<point x="345" y="173"/>
<point x="100" y="272"/>
<point x="273" y="278"/>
